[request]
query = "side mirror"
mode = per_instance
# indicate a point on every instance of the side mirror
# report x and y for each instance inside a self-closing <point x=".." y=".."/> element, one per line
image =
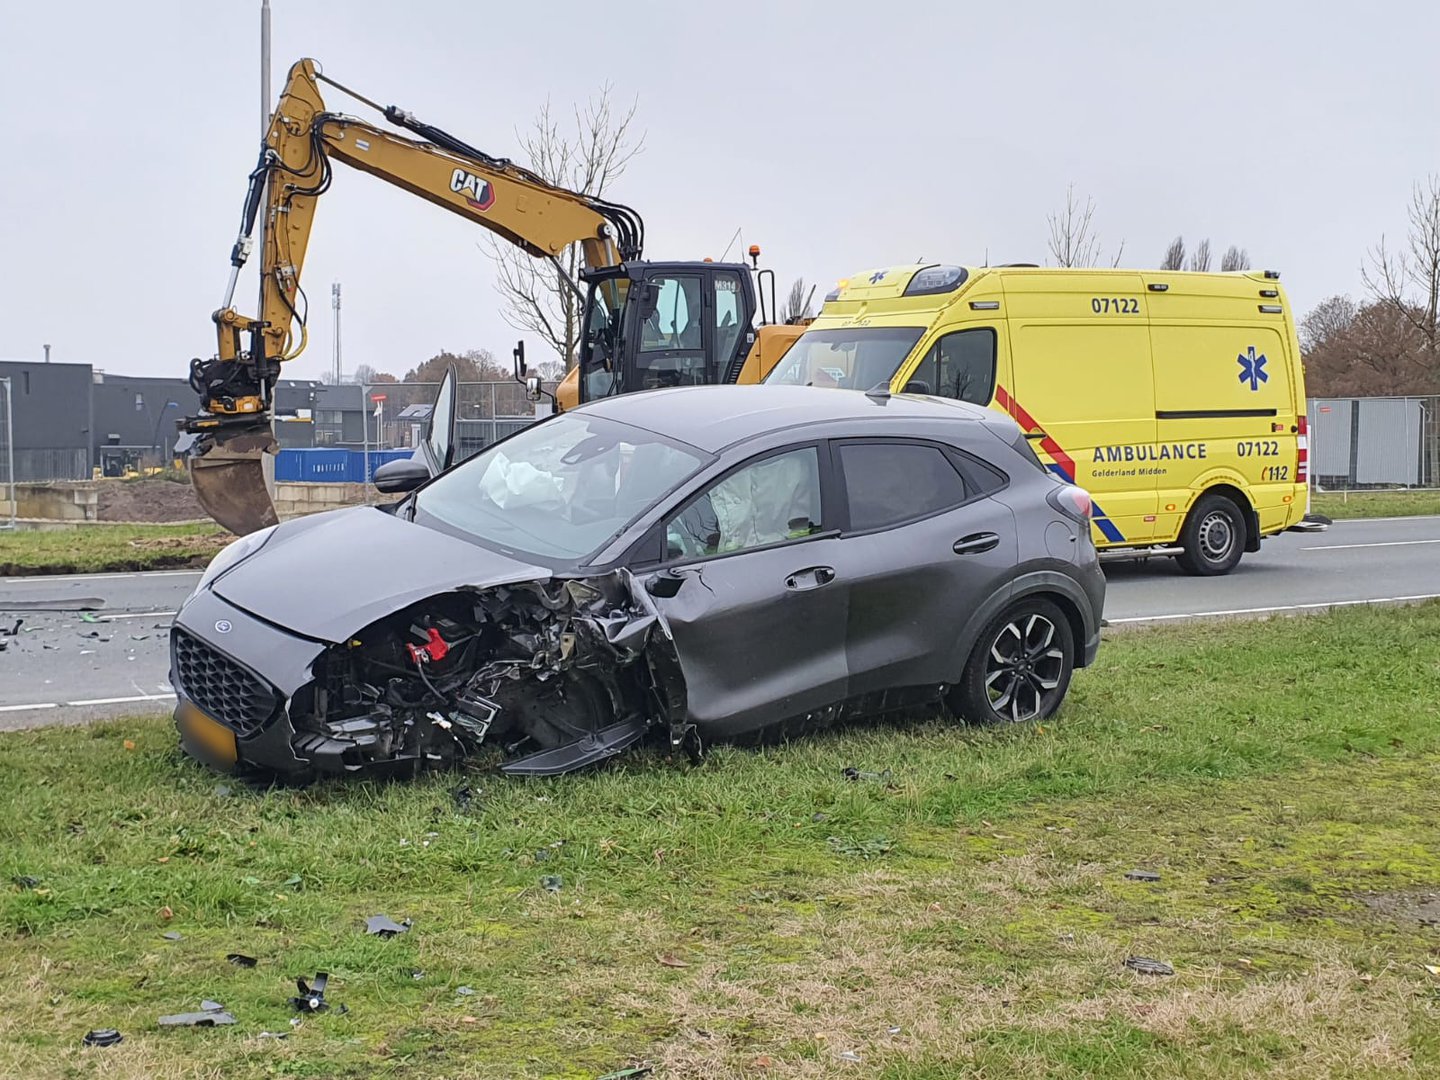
<point x="519" y="354"/>
<point x="916" y="386"/>
<point x="397" y="477"/>
<point x="533" y="388"/>
<point x="664" y="584"/>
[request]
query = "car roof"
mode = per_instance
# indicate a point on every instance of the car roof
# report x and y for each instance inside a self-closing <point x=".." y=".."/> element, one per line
<point x="713" y="417"/>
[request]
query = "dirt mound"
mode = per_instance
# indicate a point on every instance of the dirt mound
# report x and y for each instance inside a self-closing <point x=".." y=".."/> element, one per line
<point x="149" y="500"/>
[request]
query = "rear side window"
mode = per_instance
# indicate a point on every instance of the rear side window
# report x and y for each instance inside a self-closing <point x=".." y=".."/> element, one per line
<point x="1022" y="446"/>
<point x="887" y="483"/>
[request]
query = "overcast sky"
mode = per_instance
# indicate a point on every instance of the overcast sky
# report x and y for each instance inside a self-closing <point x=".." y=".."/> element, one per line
<point x="837" y="135"/>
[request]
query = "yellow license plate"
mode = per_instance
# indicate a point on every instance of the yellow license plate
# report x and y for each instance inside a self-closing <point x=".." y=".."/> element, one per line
<point x="205" y="737"/>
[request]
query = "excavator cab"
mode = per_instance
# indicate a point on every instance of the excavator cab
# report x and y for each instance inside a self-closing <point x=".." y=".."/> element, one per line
<point x="650" y="325"/>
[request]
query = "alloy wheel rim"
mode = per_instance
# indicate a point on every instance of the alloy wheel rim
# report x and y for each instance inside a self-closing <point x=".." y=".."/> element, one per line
<point x="1217" y="536"/>
<point x="1023" y="668"/>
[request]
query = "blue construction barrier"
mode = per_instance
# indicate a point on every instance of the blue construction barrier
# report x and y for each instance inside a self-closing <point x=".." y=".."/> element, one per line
<point x="322" y="465"/>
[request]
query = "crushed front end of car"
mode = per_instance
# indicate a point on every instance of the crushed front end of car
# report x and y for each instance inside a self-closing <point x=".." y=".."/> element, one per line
<point x="554" y="673"/>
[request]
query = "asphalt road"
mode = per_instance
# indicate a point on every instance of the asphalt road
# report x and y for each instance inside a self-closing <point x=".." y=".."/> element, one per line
<point x="61" y="668"/>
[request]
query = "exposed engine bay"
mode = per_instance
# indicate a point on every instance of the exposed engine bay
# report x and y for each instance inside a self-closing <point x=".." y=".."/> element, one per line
<point x="555" y="674"/>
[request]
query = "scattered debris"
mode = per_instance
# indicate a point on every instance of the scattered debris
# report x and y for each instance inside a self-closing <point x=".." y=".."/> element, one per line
<point x="241" y="960"/>
<point x="819" y="817"/>
<point x="165" y="912"/>
<point x="222" y="791"/>
<point x="311" y="998"/>
<point x="87" y="617"/>
<point x="892" y="1031"/>
<point x="274" y="1034"/>
<point x="465" y="991"/>
<point x="79" y="603"/>
<point x="212" y="1014"/>
<point x="172" y="935"/>
<point x="763" y="1061"/>
<point x="12" y="631"/>
<point x="102" y="1037"/>
<point x="671" y="961"/>
<point x="25" y="881"/>
<point x="1432" y="969"/>
<point x="384" y="926"/>
<point x="139" y="637"/>
<point x="417" y="974"/>
<point x="1142" y="875"/>
<point x="96" y="635"/>
<point x="552" y="882"/>
<point x="855" y="775"/>
<point x="850" y="1055"/>
<point x="465" y="797"/>
<point x="628" y="1074"/>
<point x="1145" y="966"/>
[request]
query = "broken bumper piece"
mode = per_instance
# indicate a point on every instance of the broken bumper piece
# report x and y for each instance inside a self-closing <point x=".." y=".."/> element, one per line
<point x="556" y="675"/>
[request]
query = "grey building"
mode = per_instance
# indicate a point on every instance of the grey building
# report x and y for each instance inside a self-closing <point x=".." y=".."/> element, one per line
<point x="53" y="434"/>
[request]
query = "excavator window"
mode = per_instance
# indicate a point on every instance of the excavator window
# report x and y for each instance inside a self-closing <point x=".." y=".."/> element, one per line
<point x="728" y="316"/>
<point x="672" y="334"/>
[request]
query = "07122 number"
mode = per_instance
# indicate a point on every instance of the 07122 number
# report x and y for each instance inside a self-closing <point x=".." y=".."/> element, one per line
<point x="1115" y="305"/>
<point x="1261" y="448"/>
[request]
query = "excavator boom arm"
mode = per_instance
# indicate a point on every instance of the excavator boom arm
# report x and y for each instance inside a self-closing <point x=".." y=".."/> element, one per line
<point x="233" y="437"/>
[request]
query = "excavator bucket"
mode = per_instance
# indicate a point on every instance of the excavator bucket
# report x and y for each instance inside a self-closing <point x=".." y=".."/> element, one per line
<point x="233" y="473"/>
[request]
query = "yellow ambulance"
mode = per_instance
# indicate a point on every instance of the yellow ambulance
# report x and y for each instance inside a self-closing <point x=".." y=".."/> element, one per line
<point x="1176" y="399"/>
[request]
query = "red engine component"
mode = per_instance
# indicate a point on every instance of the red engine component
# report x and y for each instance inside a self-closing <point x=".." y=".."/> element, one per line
<point x="435" y="648"/>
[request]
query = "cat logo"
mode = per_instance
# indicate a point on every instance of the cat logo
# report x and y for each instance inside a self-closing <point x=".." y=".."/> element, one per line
<point x="477" y="192"/>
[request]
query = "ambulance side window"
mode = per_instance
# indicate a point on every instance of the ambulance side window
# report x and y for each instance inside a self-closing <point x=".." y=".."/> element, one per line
<point x="959" y="365"/>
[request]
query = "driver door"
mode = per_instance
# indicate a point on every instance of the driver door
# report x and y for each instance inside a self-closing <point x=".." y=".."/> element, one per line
<point x="758" y="620"/>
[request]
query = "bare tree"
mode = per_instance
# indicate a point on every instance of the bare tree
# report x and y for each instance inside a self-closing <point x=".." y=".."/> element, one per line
<point x="1200" y="257"/>
<point x="1235" y="258"/>
<point x="797" y="304"/>
<point x="1391" y="277"/>
<point x="537" y="294"/>
<point x="1072" y="241"/>
<point x="1174" y="255"/>
<point x="1327" y="321"/>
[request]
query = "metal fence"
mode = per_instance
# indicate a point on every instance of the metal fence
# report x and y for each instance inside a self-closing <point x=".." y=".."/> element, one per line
<point x="1372" y="443"/>
<point x="7" y="458"/>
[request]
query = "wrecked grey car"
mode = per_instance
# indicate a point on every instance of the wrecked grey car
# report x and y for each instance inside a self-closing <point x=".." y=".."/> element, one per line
<point x="698" y="563"/>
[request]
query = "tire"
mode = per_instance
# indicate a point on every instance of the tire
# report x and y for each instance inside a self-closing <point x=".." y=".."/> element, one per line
<point x="1214" y="537"/>
<point x="1002" y="684"/>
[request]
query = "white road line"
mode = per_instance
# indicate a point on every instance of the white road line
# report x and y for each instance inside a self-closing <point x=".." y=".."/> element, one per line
<point x="136" y="615"/>
<point x="1379" y="543"/>
<point x="35" y="579"/>
<point x="24" y="708"/>
<point x="121" y="700"/>
<point x="1268" y="610"/>
<point x="1381" y="521"/>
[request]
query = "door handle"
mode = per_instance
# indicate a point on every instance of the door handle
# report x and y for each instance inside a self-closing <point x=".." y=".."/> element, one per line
<point x="811" y="578"/>
<point x="976" y="543"/>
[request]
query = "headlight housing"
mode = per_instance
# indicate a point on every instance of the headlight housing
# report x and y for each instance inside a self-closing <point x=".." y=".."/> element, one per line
<point x="233" y="553"/>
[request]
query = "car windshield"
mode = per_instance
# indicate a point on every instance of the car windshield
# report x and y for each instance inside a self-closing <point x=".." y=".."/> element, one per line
<point x="560" y="489"/>
<point x="858" y="359"/>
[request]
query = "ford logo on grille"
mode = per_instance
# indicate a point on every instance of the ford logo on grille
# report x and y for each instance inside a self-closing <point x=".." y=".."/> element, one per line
<point x="223" y="626"/>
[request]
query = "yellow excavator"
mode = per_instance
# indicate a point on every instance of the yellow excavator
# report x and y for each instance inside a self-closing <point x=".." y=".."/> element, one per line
<point x="643" y="325"/>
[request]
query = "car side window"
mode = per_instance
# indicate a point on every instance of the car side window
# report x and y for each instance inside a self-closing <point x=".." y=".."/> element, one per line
<point x="770" y="500"/>
<point x="887" y="483"/>
<point x="960" y="365"/>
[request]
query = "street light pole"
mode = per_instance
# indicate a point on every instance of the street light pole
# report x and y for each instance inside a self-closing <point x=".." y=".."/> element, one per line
<point x="264" y="131"/>
<point x="335" y="303"/>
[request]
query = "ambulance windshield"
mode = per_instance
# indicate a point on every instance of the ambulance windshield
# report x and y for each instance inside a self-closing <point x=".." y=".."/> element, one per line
<point x="854" y="359"/>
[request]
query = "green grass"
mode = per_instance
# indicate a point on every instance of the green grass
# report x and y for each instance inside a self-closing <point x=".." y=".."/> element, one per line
<point x="760" y="915"/>
<point x="1372" y="504"/>
<point x="108" y="548"/>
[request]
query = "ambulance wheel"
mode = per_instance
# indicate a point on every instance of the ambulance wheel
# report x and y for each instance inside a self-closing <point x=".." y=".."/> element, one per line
<point x="1213" y="537"/>
<point x="1020" y="667"/>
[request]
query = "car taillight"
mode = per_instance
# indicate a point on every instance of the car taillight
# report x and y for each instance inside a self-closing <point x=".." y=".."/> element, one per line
<point x="1071" y="501"/>
<point x="1302" y="450"/>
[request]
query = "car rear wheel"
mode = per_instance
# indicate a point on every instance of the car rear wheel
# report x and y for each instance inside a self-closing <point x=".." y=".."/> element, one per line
<point x="1020" y="667"/>
<point x="1214" y="537"/>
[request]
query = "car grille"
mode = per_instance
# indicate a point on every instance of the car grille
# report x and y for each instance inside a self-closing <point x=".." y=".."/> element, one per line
<point x="232" y="694"/>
